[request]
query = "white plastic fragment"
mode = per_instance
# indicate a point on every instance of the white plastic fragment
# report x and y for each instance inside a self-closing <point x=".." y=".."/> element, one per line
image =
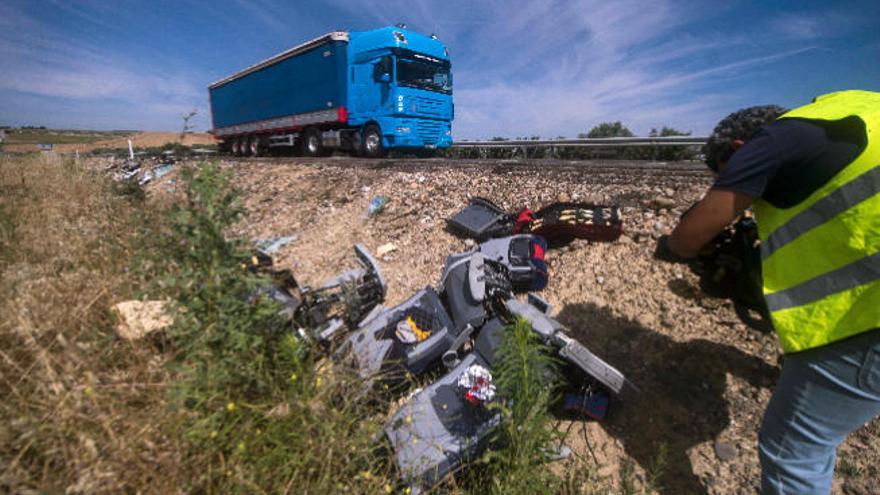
<point x="476" y="384"/>
<point x="385" y="249"/>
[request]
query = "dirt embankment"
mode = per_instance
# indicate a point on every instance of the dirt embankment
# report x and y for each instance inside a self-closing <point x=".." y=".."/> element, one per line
<point x="705" y="376"/>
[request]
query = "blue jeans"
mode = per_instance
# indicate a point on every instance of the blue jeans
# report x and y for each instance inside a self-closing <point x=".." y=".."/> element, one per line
<point x="823" y="394"/>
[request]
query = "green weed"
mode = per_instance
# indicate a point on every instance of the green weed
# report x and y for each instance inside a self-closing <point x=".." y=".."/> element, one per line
<point x="526" y="441"/>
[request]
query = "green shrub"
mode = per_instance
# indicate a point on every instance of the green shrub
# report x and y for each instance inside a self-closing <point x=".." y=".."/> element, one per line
<point x="255" y="412"/>
<point x="525" y="376"/>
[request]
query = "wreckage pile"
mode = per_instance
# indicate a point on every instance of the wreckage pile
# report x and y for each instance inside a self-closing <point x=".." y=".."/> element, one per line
<point x="446" y="423"/>
<point x="140" y="170"/>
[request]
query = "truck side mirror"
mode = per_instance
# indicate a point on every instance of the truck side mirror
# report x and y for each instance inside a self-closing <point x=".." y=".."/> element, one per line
<point x="382" y="70"/>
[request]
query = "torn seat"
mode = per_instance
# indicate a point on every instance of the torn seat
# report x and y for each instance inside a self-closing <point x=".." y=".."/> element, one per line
<point x="437" y="429"/>
<point x="407" y="338"/>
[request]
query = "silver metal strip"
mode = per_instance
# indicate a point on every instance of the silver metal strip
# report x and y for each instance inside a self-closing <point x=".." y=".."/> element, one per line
<point x="316" y="117"/>
<point x="588" y="142"/>
<point x="843" y="198"/>
<point x="863" y="271"/>
<point x="280" y="122"/>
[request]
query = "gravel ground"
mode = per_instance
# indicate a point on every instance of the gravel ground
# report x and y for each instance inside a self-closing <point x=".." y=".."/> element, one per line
<point x="705" y="376"/>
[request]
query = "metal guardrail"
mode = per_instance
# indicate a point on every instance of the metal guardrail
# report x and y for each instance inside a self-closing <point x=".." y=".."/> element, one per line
<point x="587" y="142"/>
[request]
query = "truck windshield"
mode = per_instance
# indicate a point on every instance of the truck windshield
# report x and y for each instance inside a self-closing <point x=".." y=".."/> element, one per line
<point x="425" y="73"/>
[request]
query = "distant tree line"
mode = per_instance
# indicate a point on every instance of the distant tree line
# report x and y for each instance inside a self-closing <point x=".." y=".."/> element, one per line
<point x="602" y="130"/>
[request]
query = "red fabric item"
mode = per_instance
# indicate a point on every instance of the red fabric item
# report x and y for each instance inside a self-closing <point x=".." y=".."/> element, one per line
<point x="525" y="217"/>
<point x="537" y="251"/>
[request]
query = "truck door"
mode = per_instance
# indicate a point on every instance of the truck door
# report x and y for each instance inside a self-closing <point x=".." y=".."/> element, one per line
<point x="372" y="94"/>
<point x="383" y="75"/>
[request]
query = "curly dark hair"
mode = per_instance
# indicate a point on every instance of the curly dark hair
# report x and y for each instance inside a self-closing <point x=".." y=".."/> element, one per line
<point x="738" y="125"/>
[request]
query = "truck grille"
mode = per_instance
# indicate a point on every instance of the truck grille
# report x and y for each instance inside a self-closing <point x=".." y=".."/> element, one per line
<point x="429" y="130"/>
<point x="428" y="106"/>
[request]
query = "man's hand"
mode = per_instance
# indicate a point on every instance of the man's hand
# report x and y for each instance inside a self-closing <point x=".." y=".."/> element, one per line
<point x="705" y="220"/>
<point x="663" y="253"/>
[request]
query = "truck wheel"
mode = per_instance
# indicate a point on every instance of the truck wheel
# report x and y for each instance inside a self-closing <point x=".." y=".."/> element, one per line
<point x="311" y="143"/>
<point x="371" y="145"/>
<point x="254" y="146"/>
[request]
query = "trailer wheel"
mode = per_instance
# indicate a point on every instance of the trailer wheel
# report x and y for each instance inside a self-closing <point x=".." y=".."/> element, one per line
<point x="311" y="143"/>
<point x="254" y="146"/>
<point x="371" y="144"/>
<point x="238" y="146"/>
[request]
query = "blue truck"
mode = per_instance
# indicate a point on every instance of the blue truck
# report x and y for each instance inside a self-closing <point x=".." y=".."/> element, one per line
<point x="363" y="92"/>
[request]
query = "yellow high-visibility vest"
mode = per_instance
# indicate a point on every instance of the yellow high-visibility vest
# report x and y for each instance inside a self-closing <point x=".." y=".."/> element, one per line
<point x="821" y="257"/>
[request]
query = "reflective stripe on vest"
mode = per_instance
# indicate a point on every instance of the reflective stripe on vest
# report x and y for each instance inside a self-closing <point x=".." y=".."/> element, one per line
<point x="842" y="199"/>
<point x="821" y="257"/>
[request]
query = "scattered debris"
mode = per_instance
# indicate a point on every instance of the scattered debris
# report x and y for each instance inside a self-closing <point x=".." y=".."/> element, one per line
<point x="385" y="249"/>
<point x="377" y="204"/>
<point x="146" y="178"/>
<point x="141" y="318"/>
<point x="162" y="169"/>
<point x="272" y="245"/>
<point x="660" y="202"/>
<point x="476" y="384"/>
<point x="592" y="405"/>
<point x="409" y="332"/>
<point x="725" y="451"/>
<point x="320" y="313"/>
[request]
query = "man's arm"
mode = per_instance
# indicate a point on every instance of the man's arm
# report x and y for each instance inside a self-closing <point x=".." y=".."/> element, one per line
<point x="708" y="218"/>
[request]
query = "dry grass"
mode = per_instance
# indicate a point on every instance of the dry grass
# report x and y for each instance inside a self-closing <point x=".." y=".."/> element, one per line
<point x="109" y="141"/>
<point x="60" y="136"/>
<point x="85" y="412"/>
<point x="81" y="410"/>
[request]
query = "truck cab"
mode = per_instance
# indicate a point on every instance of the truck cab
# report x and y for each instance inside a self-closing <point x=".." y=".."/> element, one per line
<point x="400" y="83"/>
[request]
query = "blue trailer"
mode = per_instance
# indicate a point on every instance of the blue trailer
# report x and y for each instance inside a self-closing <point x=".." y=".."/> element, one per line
<point x="364" y="92"/>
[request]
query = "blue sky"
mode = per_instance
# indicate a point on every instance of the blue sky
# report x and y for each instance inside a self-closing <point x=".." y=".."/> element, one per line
<point x="521" y="68"/>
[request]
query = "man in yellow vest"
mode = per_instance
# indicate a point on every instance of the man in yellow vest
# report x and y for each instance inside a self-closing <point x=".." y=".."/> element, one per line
<point x="813" y="177"/>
